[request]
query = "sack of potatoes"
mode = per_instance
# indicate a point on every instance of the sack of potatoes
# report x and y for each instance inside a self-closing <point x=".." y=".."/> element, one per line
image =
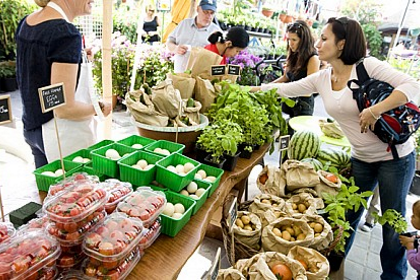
<point x="268" y="207"/>
<point x="284" y="233"/>
<point x="316" y="265"/>
<point x="323" y="234"/>
<point x="269" y="180"/>
<point x="303" y="203"/>
<point x="271" y="266"/>
<point x="247" y="229"/>
<point x="230" y="274"/>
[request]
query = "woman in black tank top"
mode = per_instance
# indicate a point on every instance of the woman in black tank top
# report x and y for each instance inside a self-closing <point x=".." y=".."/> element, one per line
<point x="151" y="23"/>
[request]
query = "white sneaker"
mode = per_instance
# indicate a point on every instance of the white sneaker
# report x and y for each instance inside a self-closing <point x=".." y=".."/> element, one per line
<point x="366" y="227"/>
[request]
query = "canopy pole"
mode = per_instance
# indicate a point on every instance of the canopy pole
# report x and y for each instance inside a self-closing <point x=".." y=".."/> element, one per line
<point x="139" y="42"/>
<point x="400" y="27"/>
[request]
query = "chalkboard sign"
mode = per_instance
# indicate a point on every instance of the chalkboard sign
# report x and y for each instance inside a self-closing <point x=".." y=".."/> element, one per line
<point x="51" y="97"/>
<point x="233" y="213"/>
<point x="5" y="109"/>
<point x="218" y="70"/>
<point x="234" y="70"/>
<point x="284" y="142"/>
<point x="214" y="270"/>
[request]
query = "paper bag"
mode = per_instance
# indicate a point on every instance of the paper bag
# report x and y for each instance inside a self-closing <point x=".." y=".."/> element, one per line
<point x="318" y="265"/>
<point x="299" y="174"/>
<point x="204" y="93"/>
<point x="166" y="99"/>
<point x="201" y="60"/>
<point x="248" y="237"/>
<point x="184" y="83"/>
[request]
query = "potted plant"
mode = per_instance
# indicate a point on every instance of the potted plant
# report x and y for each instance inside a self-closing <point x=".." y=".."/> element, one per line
<point x="282" y="15"/>
<point x="8" y="76"/>
<point x="267" y="11"/>
<point x="415" y="185"/>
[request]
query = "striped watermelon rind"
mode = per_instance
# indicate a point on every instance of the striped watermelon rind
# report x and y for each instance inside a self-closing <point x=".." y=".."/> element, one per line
<point x="315" y="163"/>
<point x="304" y="144"/>
<point x="336" y="157"/>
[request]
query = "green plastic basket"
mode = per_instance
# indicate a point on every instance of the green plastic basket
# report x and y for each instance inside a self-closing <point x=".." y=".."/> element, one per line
<point x="171" y="226"/>
<point x="212" y="171"/>
<point x="88" y="168"/>
<point x="100" y="144"/>
<point x="108" y="166"/>
<point x="135" y="139"/>
<point x="172" y="147"/>
<point x="136" y="176"/>
<point x="84" y="153"/>
<point x="199" y="202"/>
<point x="43" y="181"/>
<point x="171" y="180"/>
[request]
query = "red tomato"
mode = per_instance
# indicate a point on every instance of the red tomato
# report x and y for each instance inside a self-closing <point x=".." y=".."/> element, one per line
<point x="103" y="231"/>
<point x="126" y="224"/>
<point x="75" y="211"/>
<point x="93" y="239"/>
<point x="106" y="248"/>
<point x="332" y="178"/>
<point x="66" y="260"/>
<point x="112" y="225"/>
<point x="116" y="235"/>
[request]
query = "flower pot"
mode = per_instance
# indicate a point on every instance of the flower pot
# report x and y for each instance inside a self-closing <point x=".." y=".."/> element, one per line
<point x="288" y="19"/>
<point x="335" y="260"/>
<point x="244" y="153"/>
<point x="223" y="26"/>
<point x="267" y="13"/>
<point x="231" y="161"/>
<point x="415" y="185"/>
<point x="208" y="161"/>
<point x="282" y="17"/>
<point x="9" y="84"/>
<point x="200" y="154"/>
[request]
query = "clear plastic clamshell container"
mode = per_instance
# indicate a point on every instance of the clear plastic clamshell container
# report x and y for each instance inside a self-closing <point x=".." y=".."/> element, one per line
<point x="23" y="256"/>
<point x="117" y="191"/>
<point x="111" y="241"/>
<point x="75" y="203"/>
<point x="74" y="179"/>
<point x="34" y="224"/>
<point x="92" y="271"/>
<point x="7" y="231"/>
<point x="144" y="204"/>
<point x="150" y="234"/>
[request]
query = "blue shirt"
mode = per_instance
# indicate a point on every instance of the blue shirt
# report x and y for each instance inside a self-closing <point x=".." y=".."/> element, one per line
<point x="187" y="33"/>
<point x="38" y="47"/>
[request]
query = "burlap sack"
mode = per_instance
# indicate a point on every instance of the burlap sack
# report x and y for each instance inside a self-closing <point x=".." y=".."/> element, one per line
<point x="325" y="237"/>
<point x="201" y="60"/>
<point x="204" y="93"/>
<point x="299" y="174"/>
<point x="311" y="204"/>
<point x="184" y="83"/>
<point x="249" y="237"/>
<point x="166" y="99"/>
<point x="259" y="266"/>
<point x="270" y="181"/>
<point x="268" y="212"/>
<point x="193" y="113"/>
<point x="272" y="242"/>
<point x="144" y="112"/>
<point x="318" y="265"/>
<point x="326" y="186"/>
<point x="230" y="274"/>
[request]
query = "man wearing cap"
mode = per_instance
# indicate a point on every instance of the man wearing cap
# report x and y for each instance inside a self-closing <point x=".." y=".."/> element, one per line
<point x="194" y="31"/>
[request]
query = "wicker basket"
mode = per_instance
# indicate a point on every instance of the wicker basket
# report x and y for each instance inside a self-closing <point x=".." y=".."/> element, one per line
<point x="237" y="250"/>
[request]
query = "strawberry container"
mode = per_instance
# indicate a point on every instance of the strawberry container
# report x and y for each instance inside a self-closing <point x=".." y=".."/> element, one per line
<point x="105" y="162"/>
<point x="117" y="191"/>
<point x="136" y="141"/>
<point x="46" y="175"/>
<point x="7" y="230"/>
<point x="75" y="179"/>
<point x="150" y="234"/>
<point x="144" y="204"/>
<point x="135" y="173"/>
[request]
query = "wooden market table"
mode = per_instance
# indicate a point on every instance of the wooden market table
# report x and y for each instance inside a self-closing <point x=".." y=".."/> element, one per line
<point x="166" y="257"/>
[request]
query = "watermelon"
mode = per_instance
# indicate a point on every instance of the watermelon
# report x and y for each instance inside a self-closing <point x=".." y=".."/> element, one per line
<point x="315" y="163"/>
<point x="336" y="157"/>
<point x="304" y="144"/>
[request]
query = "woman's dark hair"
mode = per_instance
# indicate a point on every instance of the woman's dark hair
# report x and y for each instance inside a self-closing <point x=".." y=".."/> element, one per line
<point x="299" y="59"/>
<point x="238" y="36"/>
<point x="355" y="46"/>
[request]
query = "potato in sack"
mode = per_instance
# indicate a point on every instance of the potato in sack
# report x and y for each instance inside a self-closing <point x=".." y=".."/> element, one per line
<point x="328" y="183"/>
<point x="303" y="203"/>
<point x="268" y="207"/>
<point x="316" y="265"/>
<point x="230" y="274"/>
<point x="269" y="181"/>
<point x="323" y="235"/>
<point x="271" y="266"/>
<point x="299" y="174"/>
<point x="284" y="233"/>
<point x="247" y="229"/>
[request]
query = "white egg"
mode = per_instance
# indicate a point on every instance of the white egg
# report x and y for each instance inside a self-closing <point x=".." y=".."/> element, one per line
<point x="165" y="152"/>
<point x="192" y="187"/>
<point x="78" y="159"/>
<point x="177" y="216"/>
<point x="185" y="192"/>
<point x="169" y="209"/>
<point x="188" y="167"/>
<point x="198" y="176"/>
<point x="157" y="150"/>
<point x="142" y="163"/>
<point x="200" y="192"/>
<point x="137" y="146"/>
<point x="149" y="166"/>
<point x="112" y="154"/>
<point x="58" y="172"/>
<point x="179" y="208"/>
<point x="181" y="174"/>
<point x="202" y="173"/>
<point x="211" y="179"/>
<point x="86" y="160"/>
<point x="193" y="196"/>
<point x="48" y="173"/>
<point x="137" y="166"/>
<point x="171" y="168"/>
<point x="180" y="169"/>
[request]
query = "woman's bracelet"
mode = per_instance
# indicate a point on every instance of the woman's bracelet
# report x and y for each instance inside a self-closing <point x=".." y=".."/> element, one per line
<point x="373" y="115"/>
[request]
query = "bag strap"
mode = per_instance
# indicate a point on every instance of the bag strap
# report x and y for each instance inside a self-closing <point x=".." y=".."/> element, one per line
<point x="362" y="74"/>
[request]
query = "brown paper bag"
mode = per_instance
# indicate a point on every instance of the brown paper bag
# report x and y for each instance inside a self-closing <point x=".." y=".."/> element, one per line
<point x="325" y="236"/>
<point x="201" y="60"/>
<point x="270" y="181"/>
<point x="268" y="212"/>
<point x="144" y="112"/>
<point x="230" y="274"/>
<point x="306" y="199"/>
<point x="204" y="93"/>
<point x="166" y="99"/>
<point x="248" y="237"/>
<point x="318" y="265"/>
<point x="259" y="266"/>
<point x="272" y="242"/>
<point x="299" y="174"/>
<point x="184" y="83"/>
<point x="326" y="186"/>
<point x="193" y="113"/>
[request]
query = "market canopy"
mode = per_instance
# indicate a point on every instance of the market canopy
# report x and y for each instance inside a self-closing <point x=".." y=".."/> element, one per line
<point x="180" y="11"/>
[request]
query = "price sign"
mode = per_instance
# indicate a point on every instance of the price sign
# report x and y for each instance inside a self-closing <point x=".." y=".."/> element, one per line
<point x="233" y="213"/>
<point x="5" y="109"/>
<point x="234" y="70"/>
<point x="284" y="142"/>
<point x="218" y="70"/>
<point x="163" y="5"/>
<point x="51" y="97"/>
<point x="214" y="270"/>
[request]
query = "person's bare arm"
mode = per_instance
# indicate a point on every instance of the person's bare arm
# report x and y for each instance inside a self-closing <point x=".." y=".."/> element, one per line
<point x="177" y="49"/>
<point x="313" y="65"/>
<point x="282" y="79"/>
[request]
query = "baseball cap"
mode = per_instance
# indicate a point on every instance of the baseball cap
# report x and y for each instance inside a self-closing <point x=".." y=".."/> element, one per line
<point x="208" y="5"/>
